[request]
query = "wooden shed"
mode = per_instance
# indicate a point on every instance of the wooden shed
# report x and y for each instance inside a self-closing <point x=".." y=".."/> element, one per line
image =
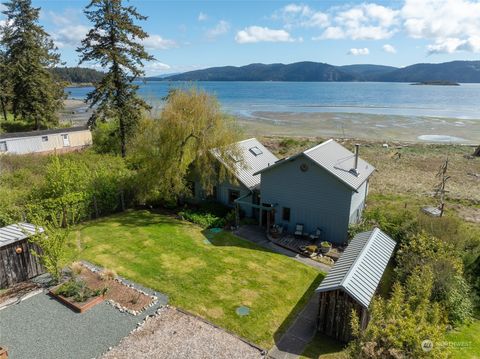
<point x="352" y="282"/>
<point x="17" y="261"/>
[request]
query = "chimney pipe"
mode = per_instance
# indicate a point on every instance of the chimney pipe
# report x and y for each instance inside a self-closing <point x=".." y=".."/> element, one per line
<point x="357" y="146"/>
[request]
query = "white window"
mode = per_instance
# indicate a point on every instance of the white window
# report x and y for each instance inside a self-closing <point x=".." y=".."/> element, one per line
<point x="66" y="140"/>
<point x="44" y="138"/>
<point x="3" y="146"/>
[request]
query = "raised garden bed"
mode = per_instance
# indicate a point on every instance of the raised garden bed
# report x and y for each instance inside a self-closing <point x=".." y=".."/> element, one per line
<point x="70" y="302"/>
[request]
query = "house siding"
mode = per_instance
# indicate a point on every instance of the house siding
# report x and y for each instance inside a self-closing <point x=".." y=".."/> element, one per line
<point x="222" y="194"/>
<point x="358" y="203"/>
<point x="315" y="198"/>
<point x="34" y="144"/>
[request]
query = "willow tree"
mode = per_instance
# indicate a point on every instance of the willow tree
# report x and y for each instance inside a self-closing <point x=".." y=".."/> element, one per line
<point x="114" y="43"/>
<point x="28" y="56"/>
<point x="169" y="151"/>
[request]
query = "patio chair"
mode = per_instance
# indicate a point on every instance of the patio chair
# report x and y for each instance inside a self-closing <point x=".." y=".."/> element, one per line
<point x="299" y="230"/>
<point x="315" y="236"/>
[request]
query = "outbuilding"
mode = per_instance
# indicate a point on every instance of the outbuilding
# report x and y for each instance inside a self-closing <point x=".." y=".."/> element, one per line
<point x="352" y="283"/>
<point x="17" y="261"/>
<point x="45" y="141"/>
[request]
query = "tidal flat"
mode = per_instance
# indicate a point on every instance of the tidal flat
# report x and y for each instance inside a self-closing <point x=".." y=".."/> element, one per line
<point x="423" y="129"/>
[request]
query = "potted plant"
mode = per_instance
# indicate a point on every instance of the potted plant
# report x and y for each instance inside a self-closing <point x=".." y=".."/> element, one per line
<point x="325" y="247"/>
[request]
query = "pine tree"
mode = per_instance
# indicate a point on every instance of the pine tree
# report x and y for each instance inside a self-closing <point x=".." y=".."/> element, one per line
<point x="4" y="86"/>
<point x="114" y="43"/>
<point x="29" y="54"/>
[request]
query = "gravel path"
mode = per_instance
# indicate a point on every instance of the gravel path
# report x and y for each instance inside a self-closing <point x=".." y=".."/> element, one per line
<point x="172" y="334"/>
<point x="40" y="327"/>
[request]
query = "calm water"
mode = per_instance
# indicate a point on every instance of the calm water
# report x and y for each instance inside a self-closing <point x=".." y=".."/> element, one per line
<point x="245" y="98"/>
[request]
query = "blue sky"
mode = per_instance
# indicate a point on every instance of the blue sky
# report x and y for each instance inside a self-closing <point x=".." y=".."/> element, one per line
<point x="188" y="35"/>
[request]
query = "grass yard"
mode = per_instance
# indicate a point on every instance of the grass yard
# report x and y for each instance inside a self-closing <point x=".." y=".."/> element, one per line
<point x="208" y="279"/>
<point x="323" y="347"/>
<point x="465" y="342"/>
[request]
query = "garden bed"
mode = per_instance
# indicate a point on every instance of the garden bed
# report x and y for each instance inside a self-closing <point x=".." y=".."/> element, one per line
<point x="70" y="302"/>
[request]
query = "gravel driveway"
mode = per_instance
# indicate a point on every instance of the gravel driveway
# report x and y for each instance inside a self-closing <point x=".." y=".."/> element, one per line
<point x="174" y="334"/>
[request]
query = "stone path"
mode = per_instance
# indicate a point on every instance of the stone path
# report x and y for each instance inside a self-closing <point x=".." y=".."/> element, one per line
<point x="257" y="235"/>
<point x="292" y="344"/>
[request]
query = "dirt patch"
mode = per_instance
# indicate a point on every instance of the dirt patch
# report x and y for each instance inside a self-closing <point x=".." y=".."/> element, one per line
<point x="118" y="292"/>
<point x="17" y="291"/>
<point x="469" y="214"/>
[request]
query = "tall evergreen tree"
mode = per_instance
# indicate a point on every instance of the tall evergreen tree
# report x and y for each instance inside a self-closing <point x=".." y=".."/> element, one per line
<point x="114" y="43"/>
<point x="4" y="86"/>
<point x="29" y="53"/>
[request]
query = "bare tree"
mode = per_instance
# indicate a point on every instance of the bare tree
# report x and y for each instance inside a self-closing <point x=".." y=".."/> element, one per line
<point x="440" y="187"/>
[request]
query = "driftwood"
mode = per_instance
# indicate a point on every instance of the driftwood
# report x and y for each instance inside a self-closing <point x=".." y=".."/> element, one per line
<point x="476" y="153"/>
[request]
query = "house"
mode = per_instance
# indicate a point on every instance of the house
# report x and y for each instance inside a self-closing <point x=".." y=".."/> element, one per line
<point x="252" y="157"/>
<point x="60" y="140"/>
<point x="352" y="282"/>
<point x="17" y="261"/>
<point x="323" y="187"/>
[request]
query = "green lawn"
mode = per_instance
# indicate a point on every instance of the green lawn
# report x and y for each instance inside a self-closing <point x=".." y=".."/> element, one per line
<point x="323" y="347"/>
<point x="465" y="342"/>
<point x="210" y="280"/>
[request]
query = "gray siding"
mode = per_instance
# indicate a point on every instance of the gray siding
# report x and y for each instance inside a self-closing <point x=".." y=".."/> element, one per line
<point x="315" y="198"/>
<point x="358" y="203"/>
<point x="222" y="194"/>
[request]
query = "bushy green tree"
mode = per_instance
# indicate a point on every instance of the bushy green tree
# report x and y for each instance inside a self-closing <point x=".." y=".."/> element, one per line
<point x="53" y="242"/>
<point x="28" y="54"/>
<point x="449" y="286"/>
<point x="166" y="151"/>
<point x="114" y="42"/>
<point x="400" y="324"/>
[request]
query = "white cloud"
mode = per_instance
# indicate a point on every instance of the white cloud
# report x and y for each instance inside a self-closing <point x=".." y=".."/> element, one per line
<point x="299" y="15"/>
<point x="69" y="36"/>
<point x="156" y="67"/>
<point x="363" y="22"/>
<point x="390" y="49"/>
<point x="156" y="42"/>
<point x="254" y="34"/>
<point x="202" y="16"/>
<point x="451" y="25"/>
<point x="358" y="52"/>
<point x="221" y="28"/>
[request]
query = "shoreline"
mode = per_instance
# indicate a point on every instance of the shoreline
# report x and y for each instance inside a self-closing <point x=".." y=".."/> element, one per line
<point x="370" y="127"/>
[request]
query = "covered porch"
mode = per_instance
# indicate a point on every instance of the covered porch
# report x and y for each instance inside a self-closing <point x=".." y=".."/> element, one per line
<point x="263" y="212"/>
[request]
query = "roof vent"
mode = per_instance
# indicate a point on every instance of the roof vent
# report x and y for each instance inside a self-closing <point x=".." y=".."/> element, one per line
<point x="256" y="151"/>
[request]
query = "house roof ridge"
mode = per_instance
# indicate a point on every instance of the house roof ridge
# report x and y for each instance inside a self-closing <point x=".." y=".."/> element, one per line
<point x="317" y="146"/>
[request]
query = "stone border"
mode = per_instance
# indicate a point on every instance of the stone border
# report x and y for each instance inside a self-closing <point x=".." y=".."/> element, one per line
<point x="122" y="309"/>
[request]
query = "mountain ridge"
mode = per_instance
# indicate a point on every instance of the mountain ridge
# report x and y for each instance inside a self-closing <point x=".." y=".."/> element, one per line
<point x="309" y="71"/>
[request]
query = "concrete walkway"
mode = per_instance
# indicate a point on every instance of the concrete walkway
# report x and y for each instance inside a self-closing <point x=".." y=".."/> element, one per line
<point x="257" y="235"/>
<point x="292" y="344"/>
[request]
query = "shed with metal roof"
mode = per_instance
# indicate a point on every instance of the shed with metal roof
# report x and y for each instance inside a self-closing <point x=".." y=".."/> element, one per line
<point x="17" y="260"/>
<point x="352" y="282"/>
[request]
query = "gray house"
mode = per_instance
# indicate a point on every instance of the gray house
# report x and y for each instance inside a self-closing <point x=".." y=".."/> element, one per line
<point x="252" y="158"/>
<point x="323" y="187"/>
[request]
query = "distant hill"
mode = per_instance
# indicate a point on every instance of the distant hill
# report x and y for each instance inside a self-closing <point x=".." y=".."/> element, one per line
<point x="455" y="71"/>
<point x="299" y="71"/>
<point x="78" y="75"/>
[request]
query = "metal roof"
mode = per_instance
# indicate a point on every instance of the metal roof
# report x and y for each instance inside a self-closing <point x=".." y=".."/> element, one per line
<point x="41" y="132"/>
<point x="255" y="158"/>
<point x="361" y="266"/>
<point x="338" y="161"/>
<point x="17" y="232"/>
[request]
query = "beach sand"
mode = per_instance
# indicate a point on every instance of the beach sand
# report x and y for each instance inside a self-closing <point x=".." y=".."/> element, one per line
<point x="364" y="126"/>
<point x="75" y="112"/>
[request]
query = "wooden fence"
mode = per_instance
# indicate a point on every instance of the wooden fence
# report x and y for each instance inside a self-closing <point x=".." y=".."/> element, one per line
<point x="18" y="263"/>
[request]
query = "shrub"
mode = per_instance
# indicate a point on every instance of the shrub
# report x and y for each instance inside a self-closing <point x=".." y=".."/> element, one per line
<point x="77" y="268"/>
<point x="206" y="220"/>
<point x="107" y="274"/>
<point x="78" y="290"/>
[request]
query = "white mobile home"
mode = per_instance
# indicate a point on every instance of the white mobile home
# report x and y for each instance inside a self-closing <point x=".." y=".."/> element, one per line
<point x="60" y="140"/>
